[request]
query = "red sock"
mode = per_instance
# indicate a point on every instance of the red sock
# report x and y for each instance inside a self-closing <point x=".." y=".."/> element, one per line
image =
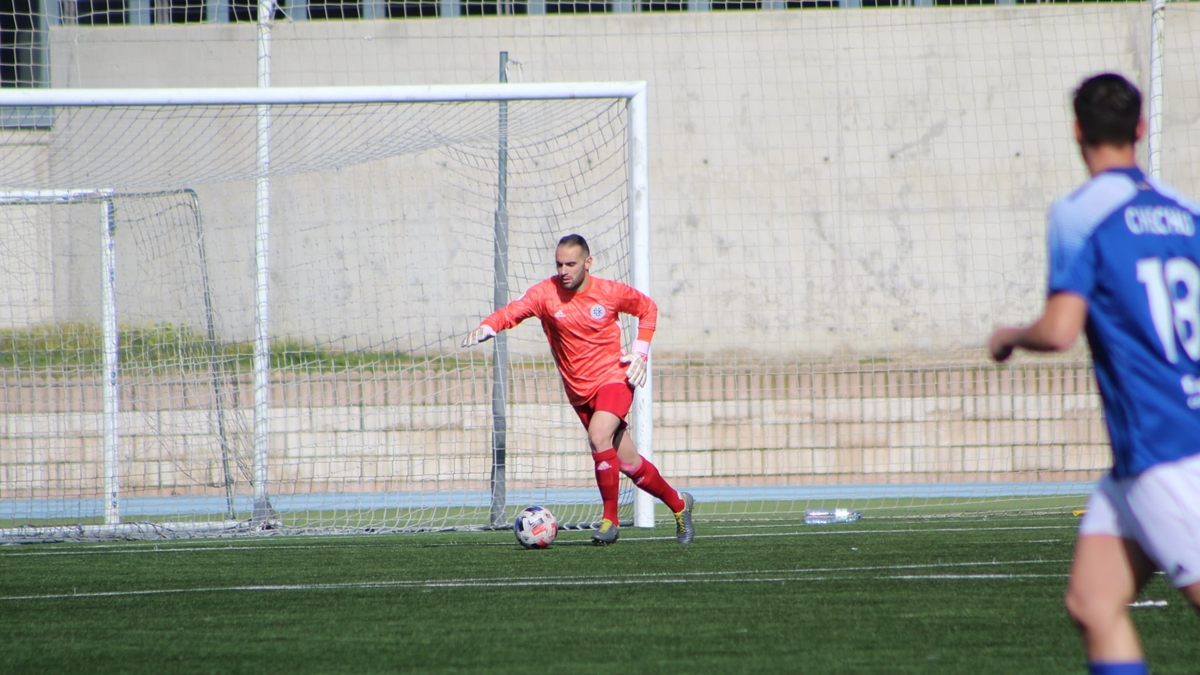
<point x="608" y="477"/>
<point x="647" y="477"/>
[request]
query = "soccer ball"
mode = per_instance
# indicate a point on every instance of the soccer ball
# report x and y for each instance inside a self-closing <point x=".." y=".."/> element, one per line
<point x="535" y="527"/>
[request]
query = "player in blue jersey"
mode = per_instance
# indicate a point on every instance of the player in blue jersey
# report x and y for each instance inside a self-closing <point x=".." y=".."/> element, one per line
<point x="1125" y="269"/>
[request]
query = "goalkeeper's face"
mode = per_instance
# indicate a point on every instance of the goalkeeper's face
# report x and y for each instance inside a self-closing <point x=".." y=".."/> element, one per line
<point x="573" y="266"/>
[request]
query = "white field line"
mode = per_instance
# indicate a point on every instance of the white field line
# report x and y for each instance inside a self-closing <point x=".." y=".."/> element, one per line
<point x="94" y="549"/>
<point x="815" y="530"/>
<point x="738" y="577"/>
<point x="939" y="577"/>
<point x="1138" y="604"/>
<point x="833" y="530"/>
<point x="718" y="524"/>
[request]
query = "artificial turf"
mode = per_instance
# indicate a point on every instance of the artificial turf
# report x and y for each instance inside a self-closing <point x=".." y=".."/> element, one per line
<point x="940" y="595"/>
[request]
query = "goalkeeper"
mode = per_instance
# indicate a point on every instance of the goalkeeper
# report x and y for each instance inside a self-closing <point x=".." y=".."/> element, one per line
<point x="579" y="317"/>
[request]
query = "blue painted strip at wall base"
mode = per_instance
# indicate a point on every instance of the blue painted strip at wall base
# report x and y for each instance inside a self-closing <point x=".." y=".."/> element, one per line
<point x="134" y="507"/>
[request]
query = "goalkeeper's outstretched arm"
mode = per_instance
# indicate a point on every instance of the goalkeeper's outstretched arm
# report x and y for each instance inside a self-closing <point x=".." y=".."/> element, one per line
<point x="504" y="318"/>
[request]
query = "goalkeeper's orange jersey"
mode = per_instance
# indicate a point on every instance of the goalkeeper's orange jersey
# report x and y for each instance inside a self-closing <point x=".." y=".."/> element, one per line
<point x="582" y="328"/>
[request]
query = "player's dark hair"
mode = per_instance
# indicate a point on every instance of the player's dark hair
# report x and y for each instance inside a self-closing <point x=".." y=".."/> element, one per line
<point x="576" y="240"/>
<point x="1108" y="108"/>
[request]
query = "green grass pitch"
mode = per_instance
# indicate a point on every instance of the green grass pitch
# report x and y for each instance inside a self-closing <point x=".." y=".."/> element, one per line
<point x="940" y="595"/>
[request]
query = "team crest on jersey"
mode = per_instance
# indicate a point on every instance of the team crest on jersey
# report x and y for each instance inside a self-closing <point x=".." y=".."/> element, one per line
<point x="597" y="312"/>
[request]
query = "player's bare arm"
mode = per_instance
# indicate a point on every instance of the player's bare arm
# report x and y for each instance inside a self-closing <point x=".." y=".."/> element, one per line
<point x="1056" y="330"/>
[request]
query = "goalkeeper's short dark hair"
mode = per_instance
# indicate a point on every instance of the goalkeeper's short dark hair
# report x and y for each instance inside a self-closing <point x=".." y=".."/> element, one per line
<point x="1108" y="108"/>
<point x="576" y="240"/>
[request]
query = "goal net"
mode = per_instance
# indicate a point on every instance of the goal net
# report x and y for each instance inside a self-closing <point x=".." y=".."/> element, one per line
<point x="290" y="284"/>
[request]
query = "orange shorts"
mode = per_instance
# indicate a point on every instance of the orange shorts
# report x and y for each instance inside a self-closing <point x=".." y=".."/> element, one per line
<point x="615" y="398"/>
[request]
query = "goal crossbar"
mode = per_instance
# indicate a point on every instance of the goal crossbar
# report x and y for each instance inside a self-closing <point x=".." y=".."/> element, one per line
<point x="320" y="95"/>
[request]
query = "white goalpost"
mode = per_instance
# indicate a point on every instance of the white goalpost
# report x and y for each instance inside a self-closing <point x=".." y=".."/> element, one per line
<point x="334" y="387"/>
<point x="177" y="212"/>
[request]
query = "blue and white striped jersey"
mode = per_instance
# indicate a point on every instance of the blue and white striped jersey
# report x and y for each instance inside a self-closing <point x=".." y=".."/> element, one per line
<point x="1127" y="244"/>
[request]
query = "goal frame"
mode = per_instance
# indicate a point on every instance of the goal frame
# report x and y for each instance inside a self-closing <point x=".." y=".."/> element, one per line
<point x="634" y="93"/>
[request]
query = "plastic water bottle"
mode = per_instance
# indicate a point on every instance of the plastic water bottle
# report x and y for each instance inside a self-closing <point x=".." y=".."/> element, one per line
<point x="826" y="516"/>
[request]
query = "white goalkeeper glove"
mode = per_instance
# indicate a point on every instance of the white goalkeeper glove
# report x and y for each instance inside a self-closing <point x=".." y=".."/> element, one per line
<point x="639" y="363"/>
<point x="481" y="334"/>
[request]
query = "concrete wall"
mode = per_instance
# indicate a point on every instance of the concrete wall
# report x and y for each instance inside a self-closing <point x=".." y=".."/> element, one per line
<point x="416" y="432"/>
<point x="820" y="181"/>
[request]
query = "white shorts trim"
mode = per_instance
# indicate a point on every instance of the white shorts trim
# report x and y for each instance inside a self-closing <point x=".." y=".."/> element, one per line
<point x="1160" y="510"/>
